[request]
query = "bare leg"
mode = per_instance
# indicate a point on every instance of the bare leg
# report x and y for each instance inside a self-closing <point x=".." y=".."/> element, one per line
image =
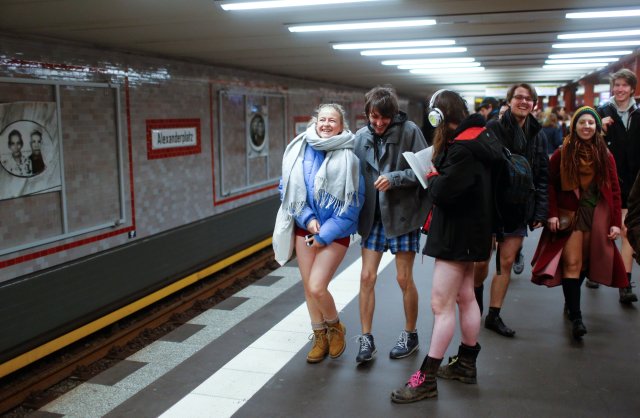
<point x="324" y="267"/>
<point x="404" y="268"/>
<point x="448" y="277"/>
<point x="500" y="283"/>
<point x="368" y="276"/>
<point x="306" y="257"/>
<point x="469" y="310"/>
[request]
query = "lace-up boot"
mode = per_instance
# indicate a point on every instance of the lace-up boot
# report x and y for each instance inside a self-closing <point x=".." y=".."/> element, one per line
<point x="406" y="345"/>
<point x="463" y="366"/>
<point x="320" y="347"/>
<point x="367" y="348"/>
<point x="337" y="343"/>
<point x="421" y="385"/>
<point x="626" y="293"/>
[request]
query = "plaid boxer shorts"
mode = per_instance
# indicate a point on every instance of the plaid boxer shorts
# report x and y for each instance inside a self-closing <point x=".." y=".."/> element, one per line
<point x="377" y="241"/>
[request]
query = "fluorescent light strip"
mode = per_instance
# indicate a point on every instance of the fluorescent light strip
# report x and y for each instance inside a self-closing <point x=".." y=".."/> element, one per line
<point x="590" y="54"/>
<point x="565" y="66"/>
<point x="427" y="61"/>
<point x="446" y="70"/>
<point x="607" y="34"/>
<point x="380" y="24"/>
<point x="254" y="5"/>
<point x="396" y="44"/>
<point x="440" y="65"/>
<point x="414" y="51"/>
<point x="601" y="60"/>
<point x="596" y="44"/>
<point x="604" y="13"/>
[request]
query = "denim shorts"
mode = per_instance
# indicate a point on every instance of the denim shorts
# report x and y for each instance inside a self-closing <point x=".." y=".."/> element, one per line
<point x="377" y="241"/>
<point x="518" y="232"/>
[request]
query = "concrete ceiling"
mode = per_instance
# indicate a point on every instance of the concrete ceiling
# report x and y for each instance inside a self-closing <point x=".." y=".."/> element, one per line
<point x="510" y="38"/>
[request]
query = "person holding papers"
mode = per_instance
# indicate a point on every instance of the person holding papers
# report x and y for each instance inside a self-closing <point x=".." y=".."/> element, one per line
<point x="322" y="192"/>
<point x="461" y="190"/>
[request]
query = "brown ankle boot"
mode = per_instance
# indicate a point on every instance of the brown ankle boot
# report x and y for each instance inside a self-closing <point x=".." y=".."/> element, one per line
<point x="337" y="343"/>
<point x="320" y="347"/>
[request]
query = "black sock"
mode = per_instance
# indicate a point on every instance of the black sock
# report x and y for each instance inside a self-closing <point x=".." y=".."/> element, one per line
<point x="571" y="290"/>
<point x="583" y="275"/>
<point x="629" y="278"/>
<point x="493" y="312"/>
<point x="479" y="291"/>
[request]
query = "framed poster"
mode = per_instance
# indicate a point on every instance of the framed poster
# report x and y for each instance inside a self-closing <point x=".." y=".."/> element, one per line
<point x="29" y="149"/>
<point x="257" y="131"/>
<point x="300" y="125"/>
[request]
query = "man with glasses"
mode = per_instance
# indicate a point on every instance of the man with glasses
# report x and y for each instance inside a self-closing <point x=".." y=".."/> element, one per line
<point x="521" y="133"/>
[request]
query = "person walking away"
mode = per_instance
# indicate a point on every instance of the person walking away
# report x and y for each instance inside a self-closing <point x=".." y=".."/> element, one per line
<point x="322" y="192"/>
<point x="584" y="217"/>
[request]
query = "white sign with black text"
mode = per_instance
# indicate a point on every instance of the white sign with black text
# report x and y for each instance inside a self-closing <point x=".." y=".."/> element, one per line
<point x="173" y="138"/>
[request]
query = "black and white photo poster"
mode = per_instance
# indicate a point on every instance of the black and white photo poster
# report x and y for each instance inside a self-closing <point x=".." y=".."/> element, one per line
<point x="29" y="149"/>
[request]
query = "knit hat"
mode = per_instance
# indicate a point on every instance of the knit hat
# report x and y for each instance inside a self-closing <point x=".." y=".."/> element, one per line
<point x="586" y="110"/>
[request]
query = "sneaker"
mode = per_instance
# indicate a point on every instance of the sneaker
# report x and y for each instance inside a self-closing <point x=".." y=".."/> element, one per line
<point x="406" y="345"/>
<point x="592" y="285"/>
<point x="494" y="323"/>
<point x="367" y="348"/>
<point x="518" y="264"/>
<point x="626" y="294"/>
<point x="419" y="386"/>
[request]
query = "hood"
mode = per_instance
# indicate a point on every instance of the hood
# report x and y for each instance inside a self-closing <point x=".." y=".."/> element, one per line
<point x="628" y="108"/>
<point x="483" y="143"/>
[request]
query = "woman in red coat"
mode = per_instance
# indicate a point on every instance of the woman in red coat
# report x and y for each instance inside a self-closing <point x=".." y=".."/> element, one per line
<point x="584" y="217"/>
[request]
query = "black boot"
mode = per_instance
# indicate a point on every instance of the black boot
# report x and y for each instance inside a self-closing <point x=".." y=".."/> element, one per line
<point x="495" y="323"/>
<point x="421" y="385"/>
<point x="571" y="290"/>
<point x="479" y="291"/>
<point x="463" y="366"/>
<point x="626" y="293"/>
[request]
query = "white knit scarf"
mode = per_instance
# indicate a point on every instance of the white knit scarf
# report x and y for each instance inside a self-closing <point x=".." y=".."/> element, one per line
<point x="335" y="185"/>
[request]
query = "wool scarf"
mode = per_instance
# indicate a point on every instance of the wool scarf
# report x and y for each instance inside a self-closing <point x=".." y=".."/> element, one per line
<point x="585" y="153"/>
<point x="335" y="184"/>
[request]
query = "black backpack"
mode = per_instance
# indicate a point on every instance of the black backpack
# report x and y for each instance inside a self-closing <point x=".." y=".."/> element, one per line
<point x="513" y="193"/>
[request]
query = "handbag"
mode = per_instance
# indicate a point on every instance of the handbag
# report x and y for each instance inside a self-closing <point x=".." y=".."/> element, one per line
<point x="567" y="219"/>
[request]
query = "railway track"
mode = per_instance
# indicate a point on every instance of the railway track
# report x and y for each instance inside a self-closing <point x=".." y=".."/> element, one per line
<point x="28" y="387"/>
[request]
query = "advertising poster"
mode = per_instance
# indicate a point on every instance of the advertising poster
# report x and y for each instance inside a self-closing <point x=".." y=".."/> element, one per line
<point x="29" y="149"/>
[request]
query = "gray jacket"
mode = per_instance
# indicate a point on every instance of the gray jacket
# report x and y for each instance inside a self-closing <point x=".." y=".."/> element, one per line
<point x="403" y="206"/>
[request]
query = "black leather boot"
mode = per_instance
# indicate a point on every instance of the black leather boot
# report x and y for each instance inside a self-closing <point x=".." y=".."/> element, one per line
<point x="463" y="366"/>
<point x="422" y="384"/>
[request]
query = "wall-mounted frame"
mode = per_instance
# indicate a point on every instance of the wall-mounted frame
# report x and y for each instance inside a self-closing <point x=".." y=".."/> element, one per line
<point x="73" y="195"/>
<point x="299" y="125"/>
<point x="168" y="138"/>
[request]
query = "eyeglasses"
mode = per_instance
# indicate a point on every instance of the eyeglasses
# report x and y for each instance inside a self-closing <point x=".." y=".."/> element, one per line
<point x="521" y="98"/>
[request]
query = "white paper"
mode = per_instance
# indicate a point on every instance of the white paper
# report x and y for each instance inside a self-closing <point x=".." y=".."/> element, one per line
<point x="420" y="163"/>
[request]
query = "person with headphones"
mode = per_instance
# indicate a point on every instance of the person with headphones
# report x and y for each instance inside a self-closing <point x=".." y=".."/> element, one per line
<point x="464" y="155"/>
<point x="392" y="213"/>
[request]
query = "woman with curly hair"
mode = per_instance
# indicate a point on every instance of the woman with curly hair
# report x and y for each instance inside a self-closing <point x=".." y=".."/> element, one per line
<point x="584" y="217"/>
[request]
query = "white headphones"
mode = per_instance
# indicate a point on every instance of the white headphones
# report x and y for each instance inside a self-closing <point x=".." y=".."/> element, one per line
<point x="436" y="117"/>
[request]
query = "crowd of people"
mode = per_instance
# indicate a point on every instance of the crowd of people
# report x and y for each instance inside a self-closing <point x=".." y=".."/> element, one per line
<point x="583" y="192"/>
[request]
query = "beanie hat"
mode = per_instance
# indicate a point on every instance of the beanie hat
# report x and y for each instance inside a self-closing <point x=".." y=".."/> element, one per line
<point x="582" y="111"/>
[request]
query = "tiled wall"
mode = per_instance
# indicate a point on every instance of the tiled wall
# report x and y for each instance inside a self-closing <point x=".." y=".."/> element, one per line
<point x="159" y="193"/>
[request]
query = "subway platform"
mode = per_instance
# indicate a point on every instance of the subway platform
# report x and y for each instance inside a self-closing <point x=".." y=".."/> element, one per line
<point x="246" y="358"/>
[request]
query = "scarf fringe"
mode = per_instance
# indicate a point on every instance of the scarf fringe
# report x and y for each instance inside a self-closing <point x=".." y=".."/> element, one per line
<point x="327" y="200"/>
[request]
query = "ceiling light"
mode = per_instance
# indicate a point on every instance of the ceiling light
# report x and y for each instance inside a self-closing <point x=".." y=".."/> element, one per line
<point x="607" y="34"/>
<point x="445" y="70"/>
<point x="603" y="13"/>
<point x="377" y="24"/>
<point x="439" y="65"/>
<point x="565" y="66"/>
<point x="396" y="44"/>
<point x="427" y="61"/>
<point x="413" y="51"/>
<point x="591" y="54"/>
<point x="596" y="44"/>
<point x="253" y="5"/>
<point x="600" y="60"/>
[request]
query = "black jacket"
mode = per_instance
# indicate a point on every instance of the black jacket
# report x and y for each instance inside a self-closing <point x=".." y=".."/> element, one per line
<point x="534" y="149"/>
<point x="624" y="144"/>
<point x="462" y="195"/>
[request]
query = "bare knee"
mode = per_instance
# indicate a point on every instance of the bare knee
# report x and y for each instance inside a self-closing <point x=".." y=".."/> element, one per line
<point x="405" y="280"/>
<point x="316" y="290"/>
<point x="368" y="280"/>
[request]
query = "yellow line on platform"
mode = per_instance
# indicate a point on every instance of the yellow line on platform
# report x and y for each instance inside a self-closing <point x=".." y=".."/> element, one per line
<point x="88" y="329"/>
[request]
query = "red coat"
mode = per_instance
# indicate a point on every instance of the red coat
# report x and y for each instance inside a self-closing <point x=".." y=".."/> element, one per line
<point x="606" y="265"/>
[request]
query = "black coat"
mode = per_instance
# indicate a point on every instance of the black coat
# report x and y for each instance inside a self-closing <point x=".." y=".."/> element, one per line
<point x="535" y="150"/>
<point x="462" y="195"/>
<point x="624" y="144"/>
